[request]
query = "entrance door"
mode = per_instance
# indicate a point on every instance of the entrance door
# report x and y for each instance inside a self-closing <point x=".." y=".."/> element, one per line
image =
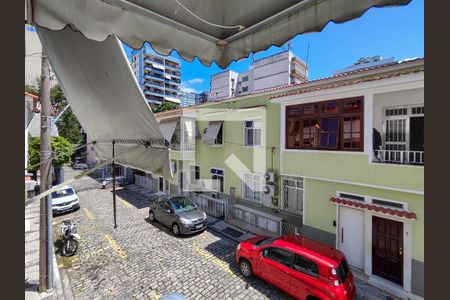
<point x="351" y="235"/>
<point x="387" y="249"/>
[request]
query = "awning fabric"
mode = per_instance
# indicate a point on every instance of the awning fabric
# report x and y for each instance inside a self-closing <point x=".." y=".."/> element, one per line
<point x="104" y="95"/>
<point x="208" y="29"/>
<point x="376" y="208"/>
<point x="167" y="129"/>
<point x="211" y="132"/>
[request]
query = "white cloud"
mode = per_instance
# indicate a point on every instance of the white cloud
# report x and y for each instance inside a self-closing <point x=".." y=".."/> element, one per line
<point x="189" y="85"/>
<point x="195" y="81"/>
<point x="187" y="88"/>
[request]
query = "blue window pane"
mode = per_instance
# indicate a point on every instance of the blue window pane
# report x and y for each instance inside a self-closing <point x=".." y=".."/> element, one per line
<point x="324" y="139"/>
<point x="334" y="124"/>
<point x="325" y="124"/>
<point x="333" y="141"/>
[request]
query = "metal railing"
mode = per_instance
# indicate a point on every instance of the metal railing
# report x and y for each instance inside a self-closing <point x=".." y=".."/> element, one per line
<point x="400" y="157"/>
<point x="214" y="207"/>
<point x="186" y="147"/>
<point x="106" y="172"/>
<point x="254" y="221"/>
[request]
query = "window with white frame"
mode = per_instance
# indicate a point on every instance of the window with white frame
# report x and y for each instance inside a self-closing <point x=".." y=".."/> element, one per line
<point x="173" y="166"/>
<point x="217" y="177"/>
<point x="403" y="135"/>
<point x="195" y="173"/>
<point x="252" y="187"/>
<point x="252" y="133"/>
<point x="292" y="195"/>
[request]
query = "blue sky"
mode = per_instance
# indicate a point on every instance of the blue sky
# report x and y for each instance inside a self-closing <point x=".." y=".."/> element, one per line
<point x="391" y="32"/>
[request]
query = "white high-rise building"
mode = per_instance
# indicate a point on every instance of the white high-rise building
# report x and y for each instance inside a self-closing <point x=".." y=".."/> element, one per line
<point x="276" y="70"/>
<point x="158" y="76"/>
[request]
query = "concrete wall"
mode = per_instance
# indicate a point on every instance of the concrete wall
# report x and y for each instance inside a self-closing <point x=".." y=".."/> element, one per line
<point x="33" y="48"/>
<point x="271" y="71"/>
<point x="380" y="101"/>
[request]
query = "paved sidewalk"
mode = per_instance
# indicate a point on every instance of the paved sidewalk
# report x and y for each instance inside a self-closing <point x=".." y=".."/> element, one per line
<point x="32" y="258"/>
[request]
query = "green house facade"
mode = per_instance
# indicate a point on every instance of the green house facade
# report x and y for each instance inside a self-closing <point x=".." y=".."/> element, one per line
<point x="339" y="160"/>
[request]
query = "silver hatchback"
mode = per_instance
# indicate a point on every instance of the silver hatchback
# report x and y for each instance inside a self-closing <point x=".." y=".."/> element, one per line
<point x="178" y="213"/>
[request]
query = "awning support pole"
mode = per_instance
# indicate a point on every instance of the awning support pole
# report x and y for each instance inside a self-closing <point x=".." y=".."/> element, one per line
<point x="113" y="166"/>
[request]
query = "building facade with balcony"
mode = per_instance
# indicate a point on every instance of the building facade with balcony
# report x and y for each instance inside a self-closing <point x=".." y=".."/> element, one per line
<point x="339" y="160"/>
<point x="357" y="149"/>
<point x="158" y="76"/>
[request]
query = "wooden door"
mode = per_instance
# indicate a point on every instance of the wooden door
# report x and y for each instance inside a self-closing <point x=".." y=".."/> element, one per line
<point x="387" y="249"/>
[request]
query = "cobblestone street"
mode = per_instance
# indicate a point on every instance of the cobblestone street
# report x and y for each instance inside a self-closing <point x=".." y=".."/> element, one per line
<point x="143" y="260"/>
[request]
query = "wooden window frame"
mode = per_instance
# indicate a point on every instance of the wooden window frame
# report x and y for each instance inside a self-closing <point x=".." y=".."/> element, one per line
<point x="296" y="113"/>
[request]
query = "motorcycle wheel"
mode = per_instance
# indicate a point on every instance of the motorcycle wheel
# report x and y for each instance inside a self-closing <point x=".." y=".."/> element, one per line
<point x="69" y="248"/>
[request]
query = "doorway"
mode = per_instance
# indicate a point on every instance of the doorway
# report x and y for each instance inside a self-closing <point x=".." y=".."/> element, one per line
<point x="351" y="235"/>
<point x="387" y="249"/>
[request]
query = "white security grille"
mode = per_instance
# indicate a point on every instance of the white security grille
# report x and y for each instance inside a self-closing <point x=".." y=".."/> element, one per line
<point x="292" y="195"/>
<point x="403" y="135"/>
<point x="252" y="187"/>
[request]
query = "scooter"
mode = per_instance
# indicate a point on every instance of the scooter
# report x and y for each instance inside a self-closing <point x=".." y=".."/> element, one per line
<point x="70" y="238"/>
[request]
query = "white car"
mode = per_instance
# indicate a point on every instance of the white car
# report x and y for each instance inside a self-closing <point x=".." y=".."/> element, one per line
<point x="65" y="200"/>
<point x="80" y="166"/>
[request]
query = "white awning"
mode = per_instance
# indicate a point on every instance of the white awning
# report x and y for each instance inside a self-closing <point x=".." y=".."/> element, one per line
<point x="211" y="132"/>
<point x="209" y="29"/>
<point x="104" y="95"/>
<point x="167" y="129"/>
<point x="34" y="127"/>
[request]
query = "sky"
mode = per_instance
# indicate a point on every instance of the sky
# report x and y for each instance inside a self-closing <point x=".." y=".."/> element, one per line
<point x="390" y="32"/>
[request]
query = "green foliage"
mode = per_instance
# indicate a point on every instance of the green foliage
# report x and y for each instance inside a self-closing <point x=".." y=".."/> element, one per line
<point x="68" y="125"/>
<point x="61" y="148"/>
<point x="32" y="89"/>
<point x="164" y="106"/>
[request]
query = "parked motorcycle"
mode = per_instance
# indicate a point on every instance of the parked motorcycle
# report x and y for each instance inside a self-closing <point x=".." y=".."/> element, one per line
<point x="70" y="238"/>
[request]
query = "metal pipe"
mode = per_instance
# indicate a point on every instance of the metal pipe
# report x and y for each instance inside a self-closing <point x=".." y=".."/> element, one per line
<point x="113" y="165"/>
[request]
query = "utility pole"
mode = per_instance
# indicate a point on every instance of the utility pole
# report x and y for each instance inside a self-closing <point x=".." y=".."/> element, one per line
<point x="45" y="225"/>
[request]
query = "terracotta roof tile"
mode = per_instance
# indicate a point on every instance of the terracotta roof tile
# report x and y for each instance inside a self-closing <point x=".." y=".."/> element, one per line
<point x="376" y="208"/>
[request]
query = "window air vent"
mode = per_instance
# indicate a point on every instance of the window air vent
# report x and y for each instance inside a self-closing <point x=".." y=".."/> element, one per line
<point x="387" y="203"/>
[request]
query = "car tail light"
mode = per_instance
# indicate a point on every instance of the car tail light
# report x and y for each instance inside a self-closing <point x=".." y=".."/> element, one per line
<point x="333" y="277"/>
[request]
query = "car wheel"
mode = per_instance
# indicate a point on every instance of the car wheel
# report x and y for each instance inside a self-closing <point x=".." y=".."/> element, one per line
<point x="246" y="268"/>
<point x="175" y="229"/>
<point x="151" y="216"/>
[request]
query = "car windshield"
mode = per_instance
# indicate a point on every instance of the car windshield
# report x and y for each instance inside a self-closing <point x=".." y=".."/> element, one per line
<point x="182" y="204"/>
<point x="266" y="241"/>
<point x="62" y="193"/>
<point x="342" y="271"/>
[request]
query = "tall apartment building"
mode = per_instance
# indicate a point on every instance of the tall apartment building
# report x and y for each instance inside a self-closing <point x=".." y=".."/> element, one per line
<point x="276" y="70"/>
<point x="158" y="76"/>
<point x="188" y="98"/>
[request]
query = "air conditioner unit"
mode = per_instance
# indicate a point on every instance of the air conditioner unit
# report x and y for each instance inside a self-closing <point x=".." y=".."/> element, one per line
<point x="269" y="190"/>
<point x="269" y="176"/>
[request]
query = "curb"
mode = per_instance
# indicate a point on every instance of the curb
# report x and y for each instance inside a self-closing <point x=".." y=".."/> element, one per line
<point x="224" y="234"/>
<point x="57" y="279"/>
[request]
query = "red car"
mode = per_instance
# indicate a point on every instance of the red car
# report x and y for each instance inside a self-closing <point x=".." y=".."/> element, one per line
<point x="301" y="267"/>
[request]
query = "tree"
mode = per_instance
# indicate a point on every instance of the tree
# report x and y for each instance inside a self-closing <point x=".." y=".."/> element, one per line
<point x="61" y="151"/>
<point x="164" y="106"/>
<point x="32" y="89"/>
<point x="68" y="125"/>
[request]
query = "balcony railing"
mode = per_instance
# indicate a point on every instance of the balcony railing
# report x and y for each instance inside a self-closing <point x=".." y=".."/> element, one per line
<point x="186" y="147"/>
<point x="400" y="157"/>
